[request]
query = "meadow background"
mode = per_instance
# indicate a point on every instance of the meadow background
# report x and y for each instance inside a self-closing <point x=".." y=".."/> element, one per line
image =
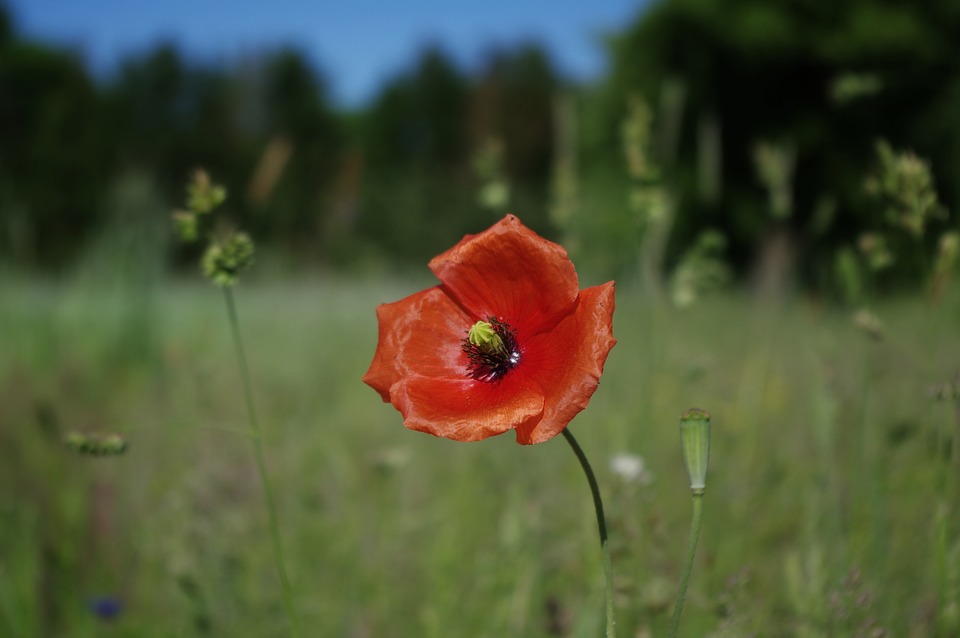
<point x="773" y="186"/>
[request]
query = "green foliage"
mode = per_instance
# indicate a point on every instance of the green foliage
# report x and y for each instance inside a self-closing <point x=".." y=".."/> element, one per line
<point x="825" y="471"/>
<point x="392" y="181"/>
<point x="847" y="277"/>
<point x="948" y="248"/>
<point x="225" y="259"/>
<point x="751" y="117"/>
<point x="702" y="269"/>
<point x="445" y="152"/>
<point x="822" y="79"/>
<point x="896" y="246"/>
<point x="488" y="167"/>
<point x="775" y="166"/>
<point x="202" y="195"/>
<point x="418" y="187"/>
<point x="96" y="444"/>
<point x="66" y="140"/>
<point x="53" y="156"/>
<point x="903" y="186"/>
<point x="229" y="252"/>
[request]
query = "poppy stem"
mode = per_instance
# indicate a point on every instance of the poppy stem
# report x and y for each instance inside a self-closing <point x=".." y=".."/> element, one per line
<point x="601" y="526"/>
<point x="261" y="464"/>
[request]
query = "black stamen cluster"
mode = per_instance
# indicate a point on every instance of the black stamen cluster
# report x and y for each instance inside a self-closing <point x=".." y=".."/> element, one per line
<point x="488" y="364"/>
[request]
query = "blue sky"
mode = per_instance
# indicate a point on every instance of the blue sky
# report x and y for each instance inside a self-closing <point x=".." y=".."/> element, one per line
<point x="356" y="43"/>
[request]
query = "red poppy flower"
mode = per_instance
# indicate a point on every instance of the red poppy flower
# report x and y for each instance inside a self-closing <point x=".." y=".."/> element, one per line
<point x="507" y="341"/>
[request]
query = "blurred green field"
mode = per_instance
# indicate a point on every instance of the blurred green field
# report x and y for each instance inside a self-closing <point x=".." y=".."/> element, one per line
<point x="828" y="507"/>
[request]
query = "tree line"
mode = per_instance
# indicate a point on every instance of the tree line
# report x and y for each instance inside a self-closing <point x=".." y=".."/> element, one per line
<point x="756" y="120"/>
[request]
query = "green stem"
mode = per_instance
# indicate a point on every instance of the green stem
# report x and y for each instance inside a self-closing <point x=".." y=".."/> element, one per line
<point x="688" y="567"/>
<point x="601" y="525"/>
<point x="945" y="515"/>
<point x="261" y="464"/>
<point x="955" y="448"/>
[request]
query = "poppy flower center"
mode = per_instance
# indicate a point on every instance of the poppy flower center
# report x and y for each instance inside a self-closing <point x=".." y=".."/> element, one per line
<point x="491" y="349"/>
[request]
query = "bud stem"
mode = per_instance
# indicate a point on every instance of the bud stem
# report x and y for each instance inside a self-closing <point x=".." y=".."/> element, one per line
<point x="688" y="567"/>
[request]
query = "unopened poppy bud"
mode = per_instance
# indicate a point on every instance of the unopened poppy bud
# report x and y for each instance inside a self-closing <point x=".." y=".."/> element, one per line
<point x="484" y="336"/>
<point x="695" y="442"/>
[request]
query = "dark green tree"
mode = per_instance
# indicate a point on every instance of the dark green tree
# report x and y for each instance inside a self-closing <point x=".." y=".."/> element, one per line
<point x="421" y="137"/>
<point x="166" y="117"/>
<point x="300" y="141"/>
<point x="417" y="188"/>
<point x="513" y="102"/>
<point x="825" y="79"/>
<point x="53" y="154"/>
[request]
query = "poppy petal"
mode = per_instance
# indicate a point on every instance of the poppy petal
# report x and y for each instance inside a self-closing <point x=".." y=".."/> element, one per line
<point x="510" y="272"/>
<point x="561" y="338"/>
<point x="465" y="409"/>
<point x="418" y="335"/>
<point x="567" y="362"/>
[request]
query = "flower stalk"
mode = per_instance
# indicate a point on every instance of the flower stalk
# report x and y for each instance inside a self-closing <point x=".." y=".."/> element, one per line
<point x="601" y="526"/>
<point x="261" y="463"/>
<point x="223" y="261"/>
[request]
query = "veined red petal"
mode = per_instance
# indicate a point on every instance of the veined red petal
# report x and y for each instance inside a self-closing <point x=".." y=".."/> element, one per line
<point x="510" y="272"/>
<point x="466" y="409"/>
<point x="420" y="334"/>
<point x="562" y="339"/>
<point x="566" y="363"/>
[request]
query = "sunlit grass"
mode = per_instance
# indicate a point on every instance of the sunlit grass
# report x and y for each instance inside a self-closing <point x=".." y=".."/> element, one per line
<point x="824" y="464"/>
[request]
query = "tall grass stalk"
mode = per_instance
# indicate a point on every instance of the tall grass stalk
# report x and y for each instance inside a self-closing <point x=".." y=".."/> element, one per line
<point x="869" y="477"/>
<point x="955" y="449"/>
<point x="261" y="463"/>
<point x="945" y="516"/>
